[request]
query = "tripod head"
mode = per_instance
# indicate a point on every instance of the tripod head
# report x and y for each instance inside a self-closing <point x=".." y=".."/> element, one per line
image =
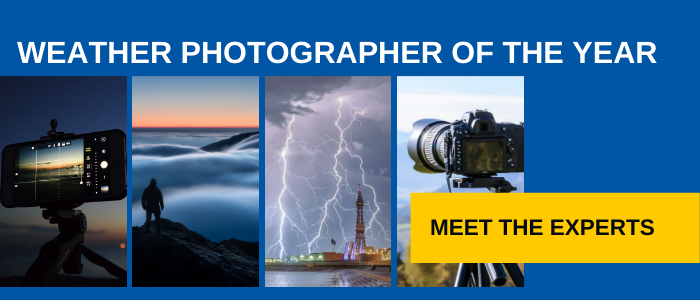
<point x="495" y="184"/>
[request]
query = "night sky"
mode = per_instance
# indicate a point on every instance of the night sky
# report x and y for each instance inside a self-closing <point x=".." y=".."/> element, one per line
<point x="81" y="105"/>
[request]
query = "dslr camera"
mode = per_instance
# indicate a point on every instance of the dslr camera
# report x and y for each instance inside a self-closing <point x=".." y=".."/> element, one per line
<point x="475" y="146"/>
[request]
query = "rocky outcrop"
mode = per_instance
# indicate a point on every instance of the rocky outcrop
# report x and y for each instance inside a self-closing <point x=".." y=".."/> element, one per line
<point x="181" y="257"/>
<point x="242" y="141"/>
<point x="238" y="246"/>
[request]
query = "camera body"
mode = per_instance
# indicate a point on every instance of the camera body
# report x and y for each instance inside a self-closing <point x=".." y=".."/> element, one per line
<point x="474" y="146"/>
<point x="483" y="146"/>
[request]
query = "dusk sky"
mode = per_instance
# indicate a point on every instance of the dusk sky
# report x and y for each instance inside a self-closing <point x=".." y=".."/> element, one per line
<point x="197" y="101"/>
<point x="81" y="105"/>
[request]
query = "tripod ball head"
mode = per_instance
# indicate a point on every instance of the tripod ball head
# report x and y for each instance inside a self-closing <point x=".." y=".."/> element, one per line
<point x="69" y="221"/>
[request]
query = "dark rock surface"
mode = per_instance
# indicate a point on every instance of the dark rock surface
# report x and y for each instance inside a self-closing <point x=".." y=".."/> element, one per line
<point x="223" y="145"/>
<point x="181" y="257"/>
<point x="251" y="249"/>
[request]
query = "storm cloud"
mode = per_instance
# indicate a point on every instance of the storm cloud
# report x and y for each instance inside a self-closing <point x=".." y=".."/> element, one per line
<point x="293" y="95"/>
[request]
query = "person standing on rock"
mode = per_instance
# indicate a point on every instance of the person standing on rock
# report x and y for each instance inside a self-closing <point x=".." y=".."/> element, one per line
<point x="152" y="203"/>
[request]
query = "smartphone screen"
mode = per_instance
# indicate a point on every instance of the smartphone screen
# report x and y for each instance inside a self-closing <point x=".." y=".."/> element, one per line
<point x="67" y="169"/>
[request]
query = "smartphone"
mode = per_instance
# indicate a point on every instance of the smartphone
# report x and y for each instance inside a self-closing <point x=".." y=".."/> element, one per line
<point x="66" y="171"/>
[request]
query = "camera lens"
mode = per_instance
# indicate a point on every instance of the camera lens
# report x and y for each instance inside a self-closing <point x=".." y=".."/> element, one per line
<point x="426" y="145"/>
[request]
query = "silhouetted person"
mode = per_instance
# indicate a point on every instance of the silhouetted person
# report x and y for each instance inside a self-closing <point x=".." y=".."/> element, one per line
<point x="152" y="202"/>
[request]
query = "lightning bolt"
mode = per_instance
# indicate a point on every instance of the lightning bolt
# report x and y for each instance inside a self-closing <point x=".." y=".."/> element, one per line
<point x="279" y="243"/>
<point x="373" y="219"/>
<point x="280" y="234"/>
<point x="331" y="207"/>
<point x="334" y="198"/>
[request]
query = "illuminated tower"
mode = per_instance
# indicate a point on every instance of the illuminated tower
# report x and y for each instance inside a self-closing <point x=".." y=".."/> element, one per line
<point x="359" y="225"/>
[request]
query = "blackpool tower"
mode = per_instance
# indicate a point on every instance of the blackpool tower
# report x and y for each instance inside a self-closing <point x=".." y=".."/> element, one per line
<point x="359" y="224"/>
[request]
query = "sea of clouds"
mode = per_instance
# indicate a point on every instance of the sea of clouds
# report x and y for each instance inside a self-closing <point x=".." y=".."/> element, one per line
<point x="213" y="193"/>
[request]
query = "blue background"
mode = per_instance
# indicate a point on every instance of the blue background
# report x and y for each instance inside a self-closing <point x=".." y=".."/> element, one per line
<point x="592" y="127"/>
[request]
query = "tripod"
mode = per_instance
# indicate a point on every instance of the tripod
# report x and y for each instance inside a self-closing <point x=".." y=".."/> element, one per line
<point x="480" y="274"/>
<point x="485" y="274"/>
<point x="64" y="251"/>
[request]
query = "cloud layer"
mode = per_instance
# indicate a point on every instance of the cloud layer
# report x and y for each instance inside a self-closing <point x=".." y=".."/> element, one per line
<point x="240" y="169"/>
<point x="164" y="150"/>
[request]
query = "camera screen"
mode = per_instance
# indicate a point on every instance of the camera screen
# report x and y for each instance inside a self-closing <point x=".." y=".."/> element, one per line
<point x="483" y="156"/>
<point x="61" y="170"/>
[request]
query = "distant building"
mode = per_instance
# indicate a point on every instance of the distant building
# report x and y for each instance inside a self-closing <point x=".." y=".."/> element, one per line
<point x="315" y="257"/>
<point x="270" y="260"/>
<point x="385" y="252"/>
<point x="332" y="256"/>
<point x="359" y="226"/>
<point x="292" y="258"/>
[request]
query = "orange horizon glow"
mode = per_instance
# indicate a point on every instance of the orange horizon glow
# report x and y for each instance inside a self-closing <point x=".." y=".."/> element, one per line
<point x="141" y="122"/>
<point x="252" y="126"/>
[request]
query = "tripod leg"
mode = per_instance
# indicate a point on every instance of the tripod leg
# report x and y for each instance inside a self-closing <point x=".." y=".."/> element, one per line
<point x="484" y="279"/>
<point x="51" y="259"/>
<point x="473" y="277"/>
<point x="463" y="275"/>
<point x="73" y="264"/>
<point x="516" y="274"/>
<point x="474" y="280"/>
<point x="496" y="274"/>
<point x="97" y="259"/>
